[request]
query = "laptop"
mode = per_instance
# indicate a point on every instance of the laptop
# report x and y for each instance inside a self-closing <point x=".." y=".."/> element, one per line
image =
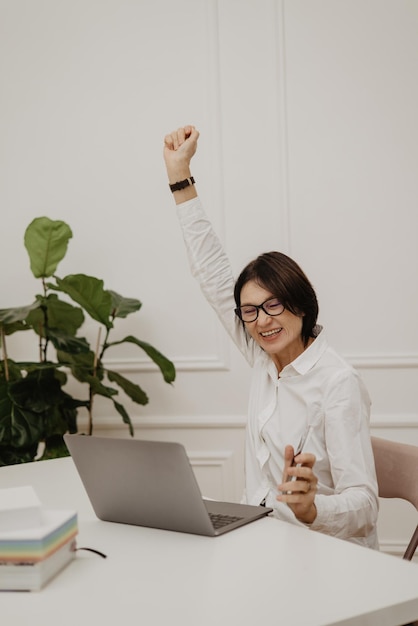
<point x="151" y="483"/>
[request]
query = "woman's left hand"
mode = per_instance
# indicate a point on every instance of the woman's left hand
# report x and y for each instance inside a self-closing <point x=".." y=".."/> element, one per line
<point x="299" y="485"/>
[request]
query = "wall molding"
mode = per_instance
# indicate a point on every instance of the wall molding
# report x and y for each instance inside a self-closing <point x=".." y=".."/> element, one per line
<point x="220" y="361"/>
<point x="214" y="468"/>
<point x="210" y="458"/>
<point x="394" y="422"/>
<point x="383" y="361"/>
<point x="208" y="363"/>
<point x="283" y="190"/>
<point x="174" y="422"/>
<point x="164" y="422"/>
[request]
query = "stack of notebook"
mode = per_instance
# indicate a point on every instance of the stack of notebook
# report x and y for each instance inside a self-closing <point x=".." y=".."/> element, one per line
<point x="35" y="543"/>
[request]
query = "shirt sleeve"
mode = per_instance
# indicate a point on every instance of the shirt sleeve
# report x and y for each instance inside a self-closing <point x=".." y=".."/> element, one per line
<point x="352" y="509"/>
<point x="211" y="268"/>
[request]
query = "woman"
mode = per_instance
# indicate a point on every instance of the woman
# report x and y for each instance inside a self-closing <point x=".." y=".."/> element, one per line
<point x="301" y="388"/>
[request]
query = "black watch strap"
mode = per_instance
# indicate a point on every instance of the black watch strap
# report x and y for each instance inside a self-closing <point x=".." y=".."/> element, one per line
<point x="181" y="184"/>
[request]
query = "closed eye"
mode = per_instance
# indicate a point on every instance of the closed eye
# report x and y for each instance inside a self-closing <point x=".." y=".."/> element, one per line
<point x="273" y="305"/>
<point x="248" y="310"/>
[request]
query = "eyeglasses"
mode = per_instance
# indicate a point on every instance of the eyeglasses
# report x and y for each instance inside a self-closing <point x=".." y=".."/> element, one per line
<point x="249" y="312"/>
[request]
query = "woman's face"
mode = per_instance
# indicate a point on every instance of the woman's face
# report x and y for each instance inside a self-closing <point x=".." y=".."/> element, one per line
<point x="281" y="335"/>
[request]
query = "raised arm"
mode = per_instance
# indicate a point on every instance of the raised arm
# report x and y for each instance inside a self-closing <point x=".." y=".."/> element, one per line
<point x="208" y="261"/>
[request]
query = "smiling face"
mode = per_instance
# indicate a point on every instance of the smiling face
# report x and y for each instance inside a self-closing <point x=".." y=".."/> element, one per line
<point x="281" y="335"/>
<point x="277" y="275"/>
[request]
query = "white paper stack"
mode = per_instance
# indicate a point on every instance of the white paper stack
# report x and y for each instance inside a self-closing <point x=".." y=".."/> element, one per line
<point x="35" y="543"/>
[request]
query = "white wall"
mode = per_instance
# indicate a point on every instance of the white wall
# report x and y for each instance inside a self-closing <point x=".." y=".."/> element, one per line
<point x="309" y="144"/>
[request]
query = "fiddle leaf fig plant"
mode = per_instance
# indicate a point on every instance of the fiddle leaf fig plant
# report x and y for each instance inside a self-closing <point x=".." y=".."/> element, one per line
<point x="35" y="406"/>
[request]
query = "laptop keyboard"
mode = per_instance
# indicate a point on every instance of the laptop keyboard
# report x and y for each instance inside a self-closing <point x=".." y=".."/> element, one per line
<point x="219" y="520"/>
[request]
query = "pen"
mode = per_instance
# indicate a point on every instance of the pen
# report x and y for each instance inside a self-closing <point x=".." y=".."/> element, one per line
<point x="299" y="448"/>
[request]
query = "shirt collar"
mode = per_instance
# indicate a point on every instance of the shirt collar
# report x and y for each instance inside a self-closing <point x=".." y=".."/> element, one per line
<point x="309" y="357"/>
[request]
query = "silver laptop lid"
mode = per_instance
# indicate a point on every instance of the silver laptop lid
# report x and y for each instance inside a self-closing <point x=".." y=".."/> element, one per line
<point x="148" y="483"/>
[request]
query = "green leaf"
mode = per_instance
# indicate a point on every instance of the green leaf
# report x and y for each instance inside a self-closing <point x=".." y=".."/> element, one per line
<point x="62" y="417"/>
<point x="89" y="293"/>
<point x="100" y="389"/>
<point x="56" y="424"/>
<point x="46" y="242"/>
<point x="14" y="370"/>
<point x="55" y="448"/>
<point x="9" y="329"/>
<point x="56" y="314"/>
<point x="125" y="417"/>
<point x="35" y="366"/>
<point x="39" y="391"/>
<point x="19" y="427"/>
<point x="18" y="314"/>
<point x="122" y="307"/>
<point x="68" y="343"/>
<point x="31" y="410"/>
<point x="81" y="364"/>
<point x="12" y="456"/>
<point x="166" y="366"/>
<point x="131" y="389"/>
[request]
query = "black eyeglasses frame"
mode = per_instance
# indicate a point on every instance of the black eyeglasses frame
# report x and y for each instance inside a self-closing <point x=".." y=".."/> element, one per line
<point x="258" y="307"/>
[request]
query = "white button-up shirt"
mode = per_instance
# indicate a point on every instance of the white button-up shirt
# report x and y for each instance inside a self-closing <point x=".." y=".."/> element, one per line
<point x="319" y="390"/>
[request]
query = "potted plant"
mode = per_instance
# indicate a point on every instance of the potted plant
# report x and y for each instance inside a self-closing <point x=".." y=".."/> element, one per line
<point x="34" y="404"/>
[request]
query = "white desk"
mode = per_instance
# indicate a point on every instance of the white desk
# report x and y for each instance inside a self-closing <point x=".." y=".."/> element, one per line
<point x="266" y="572"/>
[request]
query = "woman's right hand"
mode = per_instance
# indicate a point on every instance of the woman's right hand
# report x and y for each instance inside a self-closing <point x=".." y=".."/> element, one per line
<point x="179" y="148"/>
<point x="299" y="485"/>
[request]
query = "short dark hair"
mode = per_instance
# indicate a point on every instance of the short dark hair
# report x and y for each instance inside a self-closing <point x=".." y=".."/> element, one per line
<point x="283" y="277"/>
